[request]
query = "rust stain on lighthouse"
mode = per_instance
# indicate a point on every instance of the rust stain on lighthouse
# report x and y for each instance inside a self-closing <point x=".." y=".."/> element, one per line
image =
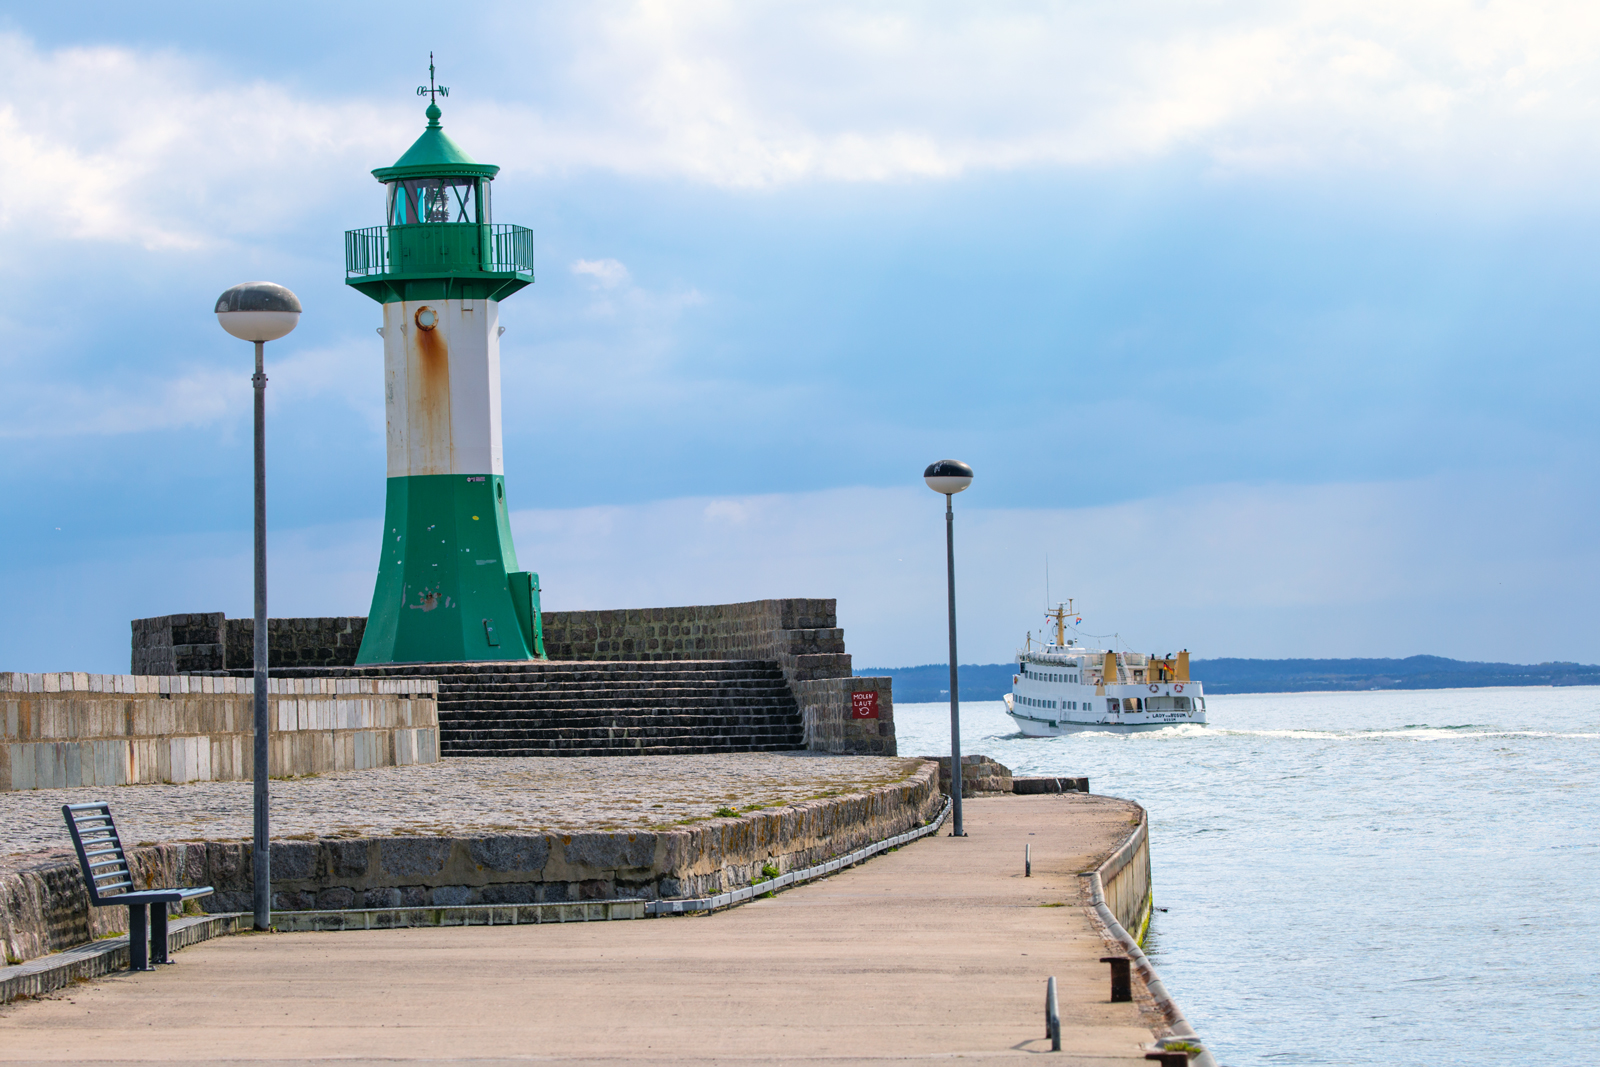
<point x="430" y="398"/>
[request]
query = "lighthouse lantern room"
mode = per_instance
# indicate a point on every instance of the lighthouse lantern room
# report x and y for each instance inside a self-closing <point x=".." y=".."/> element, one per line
<point x="449" y="587"/>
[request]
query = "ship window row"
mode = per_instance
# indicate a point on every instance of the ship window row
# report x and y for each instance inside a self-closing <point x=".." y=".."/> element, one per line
<point x="1153" y="704"/>
<point x="1069" y="705"/>
<point x="1048" y="676"/>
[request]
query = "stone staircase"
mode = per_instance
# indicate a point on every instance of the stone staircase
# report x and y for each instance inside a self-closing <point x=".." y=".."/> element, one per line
<point x="607" y="708"/>
<point x="753" y="676"/>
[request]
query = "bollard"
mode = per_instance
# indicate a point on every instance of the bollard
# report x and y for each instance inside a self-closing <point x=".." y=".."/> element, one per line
<point x="1052" y="1015"/>
<point x="1121" y="981"/>
<point x="1169" y="1058"/>
<point x="1027" y="861"/>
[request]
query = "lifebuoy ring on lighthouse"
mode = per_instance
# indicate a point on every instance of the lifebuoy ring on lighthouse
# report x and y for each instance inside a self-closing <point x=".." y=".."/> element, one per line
<point x="1155" y="689"/>
<point x="1177" y="689"/>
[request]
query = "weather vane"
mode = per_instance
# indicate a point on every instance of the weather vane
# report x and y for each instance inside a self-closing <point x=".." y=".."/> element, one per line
<point x="430" y="89"/>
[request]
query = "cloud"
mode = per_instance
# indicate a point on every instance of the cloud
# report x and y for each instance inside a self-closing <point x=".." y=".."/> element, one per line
<point x="165" y="151"/>
<point x="728" y="511"/>
<point x="764" y="94"/>
<point x="95" y="588"/>
<point x="607" y="273"/>
<point x="197" y="396"/>
<point x="192" y="396"/>
<point x="629" y="329"/>
<point x="1482" y="568"/>
<point x="1380" y="568"/>
<point x="348" y="373"/>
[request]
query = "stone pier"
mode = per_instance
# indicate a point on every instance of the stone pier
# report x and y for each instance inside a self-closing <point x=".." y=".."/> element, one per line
<point x="938" y="951"/>
<point x="466" y="832"/>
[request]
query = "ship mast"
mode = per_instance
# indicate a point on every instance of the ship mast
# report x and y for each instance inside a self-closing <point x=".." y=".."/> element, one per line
<point x="1060" y="616"/>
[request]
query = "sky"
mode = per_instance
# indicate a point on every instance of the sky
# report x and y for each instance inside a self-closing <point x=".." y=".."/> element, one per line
<point x="1268" y="328"/>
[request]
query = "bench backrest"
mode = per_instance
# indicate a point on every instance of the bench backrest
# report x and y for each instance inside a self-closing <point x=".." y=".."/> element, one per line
<point x="105" y="865"/>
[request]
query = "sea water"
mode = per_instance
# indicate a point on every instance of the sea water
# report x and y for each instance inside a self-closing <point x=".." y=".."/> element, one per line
<point x="1396" y="878"/>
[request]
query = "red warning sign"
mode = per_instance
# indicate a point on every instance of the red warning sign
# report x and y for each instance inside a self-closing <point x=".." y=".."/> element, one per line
<point x="864" y="705"/>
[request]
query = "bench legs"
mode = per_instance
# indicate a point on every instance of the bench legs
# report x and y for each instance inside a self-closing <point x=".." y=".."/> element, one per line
<point x="143" y="957"/>
<point x="158" y="934"/>
<point x="138" y="954"/>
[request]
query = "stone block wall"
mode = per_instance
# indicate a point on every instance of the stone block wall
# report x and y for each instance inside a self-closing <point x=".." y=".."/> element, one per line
<point x="831" y="724"/>
<point x="179" y="644"/>
<point x="208" y="643"/>
<point x="63" y="730"/>
<point x="801" y="635"/>
<point x="1038" y="785"/>
<point x="980" y="775"/>
<point x="326" y="642"/>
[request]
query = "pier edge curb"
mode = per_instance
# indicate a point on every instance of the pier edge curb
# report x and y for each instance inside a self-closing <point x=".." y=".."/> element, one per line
<point x="1178" y="1027"/>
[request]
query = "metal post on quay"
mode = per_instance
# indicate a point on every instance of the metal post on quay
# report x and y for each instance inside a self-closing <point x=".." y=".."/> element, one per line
<point x="260" y="312"/>
<point x="949" y="476"/>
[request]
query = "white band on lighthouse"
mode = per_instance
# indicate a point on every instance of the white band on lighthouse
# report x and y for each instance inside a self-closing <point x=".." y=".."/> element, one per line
<point x="442" y="387"/>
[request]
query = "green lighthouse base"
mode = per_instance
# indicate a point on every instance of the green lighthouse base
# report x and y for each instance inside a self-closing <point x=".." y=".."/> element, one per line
<point x="448" y="585"/>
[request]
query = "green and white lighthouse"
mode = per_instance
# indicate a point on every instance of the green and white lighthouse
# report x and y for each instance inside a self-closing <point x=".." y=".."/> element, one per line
<point x="449" y="588"/>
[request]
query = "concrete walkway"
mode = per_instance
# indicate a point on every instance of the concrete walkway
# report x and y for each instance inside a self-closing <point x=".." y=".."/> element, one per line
<point x="939" y="950"/>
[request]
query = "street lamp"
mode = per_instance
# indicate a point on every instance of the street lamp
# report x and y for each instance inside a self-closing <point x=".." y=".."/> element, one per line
<point x="949" y="476"/>
<point x="260" y="312"/>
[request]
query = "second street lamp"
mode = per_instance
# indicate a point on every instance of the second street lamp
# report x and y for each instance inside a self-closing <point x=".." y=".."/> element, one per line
<point x="949" y="476"/>
<point x="260" y="312"/>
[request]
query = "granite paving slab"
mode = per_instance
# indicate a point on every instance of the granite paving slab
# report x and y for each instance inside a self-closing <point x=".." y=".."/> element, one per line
<point x="460" y="796"/>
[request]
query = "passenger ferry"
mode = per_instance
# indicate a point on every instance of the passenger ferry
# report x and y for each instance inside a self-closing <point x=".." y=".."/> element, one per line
<point x="1064" y="687"/>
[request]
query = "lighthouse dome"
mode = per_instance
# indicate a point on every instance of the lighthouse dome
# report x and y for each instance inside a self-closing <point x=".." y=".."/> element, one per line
<point x="435" y="181"/>
<point x="434" y="154"/>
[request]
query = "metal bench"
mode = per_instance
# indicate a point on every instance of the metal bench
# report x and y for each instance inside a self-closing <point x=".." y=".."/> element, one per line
<point x="106" y="873"/>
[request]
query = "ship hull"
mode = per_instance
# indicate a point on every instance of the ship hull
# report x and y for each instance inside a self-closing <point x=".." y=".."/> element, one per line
<point x="1128" y="723"/>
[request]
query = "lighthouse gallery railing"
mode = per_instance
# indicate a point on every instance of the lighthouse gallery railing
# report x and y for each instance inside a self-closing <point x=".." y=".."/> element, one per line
<point x="501" y="248"/>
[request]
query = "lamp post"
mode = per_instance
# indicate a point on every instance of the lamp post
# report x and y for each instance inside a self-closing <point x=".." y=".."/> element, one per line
<point x="260" y="312"/>
<point x="949" y="476"/>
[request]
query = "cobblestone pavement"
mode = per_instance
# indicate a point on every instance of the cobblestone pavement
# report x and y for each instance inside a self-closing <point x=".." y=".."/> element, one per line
<point x="457" y="796"/>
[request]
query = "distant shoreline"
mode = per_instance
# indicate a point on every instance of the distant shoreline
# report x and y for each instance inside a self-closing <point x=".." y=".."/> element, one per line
<point x="1225" y="676"/>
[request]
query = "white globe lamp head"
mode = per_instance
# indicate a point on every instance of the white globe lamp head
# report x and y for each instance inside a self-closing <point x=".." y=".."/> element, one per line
<point x="258" y="311"/>
<point x="947" y="476"/>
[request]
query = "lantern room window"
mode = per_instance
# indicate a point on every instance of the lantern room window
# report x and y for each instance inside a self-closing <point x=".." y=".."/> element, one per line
<point x="438" y="200"/>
